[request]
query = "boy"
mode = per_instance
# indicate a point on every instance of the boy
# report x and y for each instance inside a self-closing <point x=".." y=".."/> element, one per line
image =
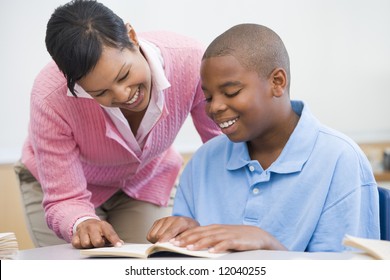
<point x="278" y="179"/>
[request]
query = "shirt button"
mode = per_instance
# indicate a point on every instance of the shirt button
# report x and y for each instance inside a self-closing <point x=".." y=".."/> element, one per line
<point x="255" y="191"/>
<point x="251" y="168"/>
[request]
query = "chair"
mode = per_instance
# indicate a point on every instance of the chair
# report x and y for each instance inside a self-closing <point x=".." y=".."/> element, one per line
<point x="384" y="212"/>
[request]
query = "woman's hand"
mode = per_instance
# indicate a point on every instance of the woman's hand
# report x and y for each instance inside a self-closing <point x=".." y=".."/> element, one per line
<point x="221" y="238"/>
<point x="95" y="233"/>
<point x="167" y="228"/>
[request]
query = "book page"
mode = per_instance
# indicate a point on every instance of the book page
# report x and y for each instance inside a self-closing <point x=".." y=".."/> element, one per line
<point x="126" y="250"/>
<point x="4" y="235"/>
<point x="379" y="249"/>
<point x="144" y="251"/>
<point x="8" y="245"/>
<point x="169" y="247"/>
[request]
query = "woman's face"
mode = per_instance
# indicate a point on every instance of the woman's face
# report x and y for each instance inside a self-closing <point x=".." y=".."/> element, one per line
<point x="121" y="78"/>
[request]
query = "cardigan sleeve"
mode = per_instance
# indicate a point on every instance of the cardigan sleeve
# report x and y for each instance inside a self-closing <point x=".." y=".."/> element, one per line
<point x="60" y="172"/>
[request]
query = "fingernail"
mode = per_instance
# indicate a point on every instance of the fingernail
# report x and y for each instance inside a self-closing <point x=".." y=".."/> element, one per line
<point x="119" y="243"/>
<point x="190" y="247"/>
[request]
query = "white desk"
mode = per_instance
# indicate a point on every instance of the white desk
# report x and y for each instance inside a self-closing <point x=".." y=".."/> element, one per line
<point x="67" y="252"/>
<point x="65" y="262"/>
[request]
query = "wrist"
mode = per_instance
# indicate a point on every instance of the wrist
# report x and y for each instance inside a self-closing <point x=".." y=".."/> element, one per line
<point x="80" y="220"/>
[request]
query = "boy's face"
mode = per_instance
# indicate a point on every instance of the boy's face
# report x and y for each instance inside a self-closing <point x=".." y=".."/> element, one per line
<point x="238" y="100"/>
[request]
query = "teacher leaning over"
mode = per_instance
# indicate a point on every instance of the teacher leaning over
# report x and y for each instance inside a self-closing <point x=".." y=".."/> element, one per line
<point x="103" y="117"/>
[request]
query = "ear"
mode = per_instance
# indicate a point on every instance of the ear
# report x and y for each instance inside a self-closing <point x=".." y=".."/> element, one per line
<point x="279" y="81"/>
<point x="132" y="35"/>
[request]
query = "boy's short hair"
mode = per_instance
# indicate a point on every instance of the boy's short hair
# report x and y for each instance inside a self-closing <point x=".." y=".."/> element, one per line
<point x="255" y="46"/>
<point x="77" y="33"/>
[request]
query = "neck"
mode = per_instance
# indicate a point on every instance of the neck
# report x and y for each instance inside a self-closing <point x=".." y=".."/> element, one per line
<point x="134" y="119"/>
<point x="268" y="148"/>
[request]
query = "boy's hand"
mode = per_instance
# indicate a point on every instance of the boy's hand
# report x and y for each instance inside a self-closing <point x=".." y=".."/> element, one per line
<point x="221" y="238"/>
<point x="167" y="228"/>
<point x="95" y="233"/>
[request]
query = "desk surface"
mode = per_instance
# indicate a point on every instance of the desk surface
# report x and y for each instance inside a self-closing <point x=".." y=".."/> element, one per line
<point x="67" y="252"/>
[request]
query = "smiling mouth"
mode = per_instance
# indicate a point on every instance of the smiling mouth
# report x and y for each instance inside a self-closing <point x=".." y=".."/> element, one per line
<point x="134" y="98"/>
<point x="227" y="123"/>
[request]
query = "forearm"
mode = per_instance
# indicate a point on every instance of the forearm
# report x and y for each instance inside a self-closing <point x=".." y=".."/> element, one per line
<point x="62" y="216"/>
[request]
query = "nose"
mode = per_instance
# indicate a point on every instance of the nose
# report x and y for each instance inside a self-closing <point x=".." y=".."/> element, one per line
<point x="121" y="93"/>
<point x="216" y="105"/>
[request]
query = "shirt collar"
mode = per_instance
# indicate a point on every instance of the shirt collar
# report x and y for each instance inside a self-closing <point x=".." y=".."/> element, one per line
<point x="156" y="63"/>
<point x="80" y="92"/>
<point x="296" y="151"/>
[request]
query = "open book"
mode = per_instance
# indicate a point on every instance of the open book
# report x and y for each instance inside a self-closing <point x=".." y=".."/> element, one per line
<point x="8" y="245"/>
<point x="378" y="249"/>
<point x="145" y="251"/>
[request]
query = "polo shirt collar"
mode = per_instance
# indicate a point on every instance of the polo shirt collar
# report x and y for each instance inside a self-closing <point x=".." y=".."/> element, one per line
<point x="296" y="151"/>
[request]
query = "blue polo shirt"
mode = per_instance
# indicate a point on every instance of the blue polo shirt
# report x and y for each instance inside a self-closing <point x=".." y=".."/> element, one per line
<point x="320" y="188"/>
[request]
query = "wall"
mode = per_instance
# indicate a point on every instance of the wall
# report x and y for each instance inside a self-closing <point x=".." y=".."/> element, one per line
<point x="339" y="51"/>
<point x="12" y="218"/>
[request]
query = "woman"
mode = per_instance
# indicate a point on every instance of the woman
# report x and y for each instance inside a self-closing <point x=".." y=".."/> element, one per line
<point x="103" y="119"/>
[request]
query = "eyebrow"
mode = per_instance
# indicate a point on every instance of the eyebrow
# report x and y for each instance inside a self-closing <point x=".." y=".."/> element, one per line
<point x="230" y="84"/>
<point x="100" y="90"/>
<point x="226" y="84"/>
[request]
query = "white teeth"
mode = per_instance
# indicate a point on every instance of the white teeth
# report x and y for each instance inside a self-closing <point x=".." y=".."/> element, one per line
<point x="135" y="97"/>
<point x="227" y="124"/>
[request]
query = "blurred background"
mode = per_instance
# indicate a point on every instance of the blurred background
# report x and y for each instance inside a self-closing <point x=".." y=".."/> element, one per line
<point x="339" y="52"/>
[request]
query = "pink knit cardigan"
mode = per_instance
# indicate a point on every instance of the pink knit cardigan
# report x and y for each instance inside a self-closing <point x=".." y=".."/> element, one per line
<point x="81" y="160"/>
